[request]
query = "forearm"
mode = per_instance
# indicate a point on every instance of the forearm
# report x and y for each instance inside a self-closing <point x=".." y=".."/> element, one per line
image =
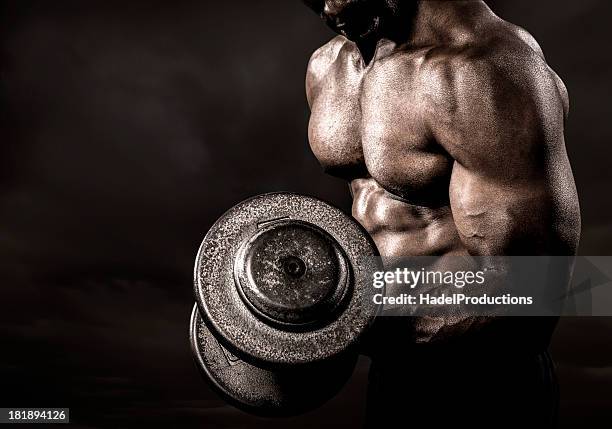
<point x="466" y="298"/>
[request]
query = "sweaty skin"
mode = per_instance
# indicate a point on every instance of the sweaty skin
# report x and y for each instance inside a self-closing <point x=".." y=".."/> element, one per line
<point x="452" y="137"/>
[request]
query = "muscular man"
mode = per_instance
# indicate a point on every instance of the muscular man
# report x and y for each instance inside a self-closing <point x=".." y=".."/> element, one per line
<point x="449" y="126"/>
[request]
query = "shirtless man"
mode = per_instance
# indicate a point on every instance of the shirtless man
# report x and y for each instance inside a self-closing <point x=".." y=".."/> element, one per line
<point x="449" y="126"/>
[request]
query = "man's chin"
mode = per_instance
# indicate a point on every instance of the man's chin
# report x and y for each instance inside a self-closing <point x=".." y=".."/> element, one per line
<point x="361" y="34"/>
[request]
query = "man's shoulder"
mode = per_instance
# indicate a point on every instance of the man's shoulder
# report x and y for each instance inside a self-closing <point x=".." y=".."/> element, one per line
<point x="500" y="60"/>
<point x="326" y="55"/>
<point x="321" y="61"/>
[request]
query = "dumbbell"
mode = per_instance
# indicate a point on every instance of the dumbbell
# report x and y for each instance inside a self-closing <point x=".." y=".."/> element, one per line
<point x="281" y="284"/>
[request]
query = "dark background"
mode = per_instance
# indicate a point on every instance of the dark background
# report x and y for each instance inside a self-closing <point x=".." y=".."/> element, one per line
<point x="127" y="128"/>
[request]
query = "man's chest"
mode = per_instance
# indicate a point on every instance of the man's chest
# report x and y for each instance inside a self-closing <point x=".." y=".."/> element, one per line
<point x="369" y="122"/>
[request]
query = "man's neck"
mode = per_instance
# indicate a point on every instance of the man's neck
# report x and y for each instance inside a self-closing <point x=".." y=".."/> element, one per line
<point x="441" y="22"/>
<point x="424" y="23"/>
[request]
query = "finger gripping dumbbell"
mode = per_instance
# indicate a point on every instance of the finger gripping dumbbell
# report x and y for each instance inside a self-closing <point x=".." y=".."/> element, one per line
<point x="281" y="285"/>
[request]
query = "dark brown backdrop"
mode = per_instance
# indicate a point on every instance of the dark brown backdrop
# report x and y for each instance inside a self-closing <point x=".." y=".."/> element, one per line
<point x="127" y="128"/>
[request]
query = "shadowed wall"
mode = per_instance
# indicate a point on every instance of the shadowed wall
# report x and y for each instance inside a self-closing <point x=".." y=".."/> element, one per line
<point x="127" y="128"/>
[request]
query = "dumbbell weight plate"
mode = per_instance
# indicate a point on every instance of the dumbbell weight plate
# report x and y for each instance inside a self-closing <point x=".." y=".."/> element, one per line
<point x="261" y="391"/>
<point x="232" y="298"/>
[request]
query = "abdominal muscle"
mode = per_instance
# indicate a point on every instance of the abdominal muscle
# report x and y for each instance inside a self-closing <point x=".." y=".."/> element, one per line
<point x="401" y="229"/>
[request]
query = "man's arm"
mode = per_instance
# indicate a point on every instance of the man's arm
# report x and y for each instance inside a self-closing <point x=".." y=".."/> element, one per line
<point x="512" y="191"/>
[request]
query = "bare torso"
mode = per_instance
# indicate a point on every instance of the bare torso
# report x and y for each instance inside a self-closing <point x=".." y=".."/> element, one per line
<point x="453" y="143"/>
<point x="370" y="124"/>
<point x="365" y="128"/>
